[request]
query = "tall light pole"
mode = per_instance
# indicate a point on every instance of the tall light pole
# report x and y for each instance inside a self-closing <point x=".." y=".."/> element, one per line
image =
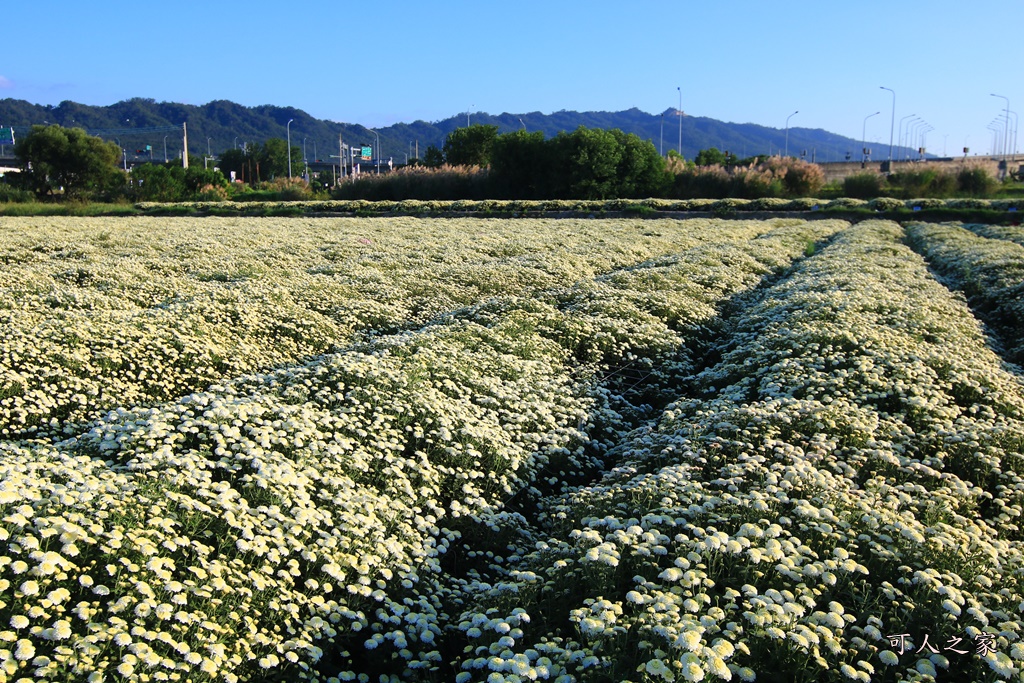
<point x="1006" y="128"/>
<point x="523" y="124"/>
<point x="378" y="144"/>
<point x="787" y="130"/>
<point x="914" y="130"/>
<point x="1013" y="142"/>
<point x="995" y="136"/>
<point x="864" y="135"/>
<point x="208" y="147"/>
<point x="923" y="146"/>
<point x="891" y="123"/>
<point x="165" y="149"/>
<point x="288" y="128"/>
<point x="900" y="137"/>
<point x="679" y="113"/>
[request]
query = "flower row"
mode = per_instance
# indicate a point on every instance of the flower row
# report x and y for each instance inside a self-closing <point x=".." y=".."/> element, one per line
<point x="846" y="477"/>
<point x="245" y="531"/>
<point x="989" y="270"/>
<point x="99" y="313"/>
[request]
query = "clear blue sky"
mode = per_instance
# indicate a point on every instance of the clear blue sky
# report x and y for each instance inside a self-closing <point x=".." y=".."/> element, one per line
<point x="392" y="61"/>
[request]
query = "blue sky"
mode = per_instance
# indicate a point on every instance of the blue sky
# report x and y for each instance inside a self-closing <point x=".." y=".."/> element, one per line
<point x="393" y="61"/>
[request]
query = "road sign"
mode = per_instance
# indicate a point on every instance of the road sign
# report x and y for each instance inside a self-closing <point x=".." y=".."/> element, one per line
<point x="6" y="136"/>
<point x="367" y="153"/>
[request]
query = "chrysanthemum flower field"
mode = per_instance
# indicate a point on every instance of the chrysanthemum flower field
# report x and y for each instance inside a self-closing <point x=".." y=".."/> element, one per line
<point x="410" y="449"/>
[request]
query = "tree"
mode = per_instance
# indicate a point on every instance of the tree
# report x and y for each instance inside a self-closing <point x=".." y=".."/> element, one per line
<point x="83" y="165"/>
<point x="470" y="146"/>
<point x="172" y="183"/>
<point x="274" y="159"/>
<point x="586" y="162"/>
<point x="641" y="170"/>
<point x="711" y="157"/>
<point x="233" y="159"/>
<point x="433" y="157"/>
<point x="519" y="164"/>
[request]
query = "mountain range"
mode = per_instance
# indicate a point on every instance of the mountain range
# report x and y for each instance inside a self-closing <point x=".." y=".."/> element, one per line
<point x="219" y="125"/>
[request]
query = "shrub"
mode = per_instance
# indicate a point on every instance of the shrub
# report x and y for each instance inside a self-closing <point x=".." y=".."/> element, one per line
<point x="10" y="194"/>
<point x="976" y="182"/>
<point x="885" y="204"/>
<point x="799" y="178"/>
<point x="923" y="182"/>
<point x="419" y="182"/>
<point x="863" y="185"/>
<point x="289" y="190"/>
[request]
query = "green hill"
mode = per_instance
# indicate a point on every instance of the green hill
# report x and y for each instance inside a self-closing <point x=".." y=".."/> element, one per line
<point x="219" y="125"/>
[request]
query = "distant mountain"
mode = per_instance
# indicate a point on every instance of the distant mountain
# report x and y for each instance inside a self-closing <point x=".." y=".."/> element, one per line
<point x="221" y="124"/>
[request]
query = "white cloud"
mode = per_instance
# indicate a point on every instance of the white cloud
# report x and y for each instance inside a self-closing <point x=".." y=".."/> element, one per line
<point x="5" y="82"/>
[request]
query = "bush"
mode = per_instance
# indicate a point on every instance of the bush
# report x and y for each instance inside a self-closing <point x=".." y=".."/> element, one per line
<point x="288" y="190"/>
<point x="863" y="185"/>
<point x="924" y="182"/>
<point x="885" y="204"/>
<point x="419" y="182"/>
<point x="10" y="194"/>
<point x="975" y="182"/>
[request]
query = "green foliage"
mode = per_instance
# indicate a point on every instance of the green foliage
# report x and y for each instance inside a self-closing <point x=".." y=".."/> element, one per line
<point x="172" y="183"/>
<point x="418" y="182"/>
<point x="10" y="193"/>
<point x="975" y="182"/>
<point x="433" y="157"/>
<point x="863" y="185"/>
<point x="641" y="170"/>
<point x="470" y="146"/>
<point x="714" y="157"/>
<point x="586" y="162"/>
<point x="924" y="182"/>
<point x="56" y="159"/>
<point x="519" y="165"/>
<point x="259" y="162"/>
<point x="597" y="164"/>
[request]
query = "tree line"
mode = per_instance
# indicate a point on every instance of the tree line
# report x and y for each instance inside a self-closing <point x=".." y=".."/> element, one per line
<point x="475" y="162"/>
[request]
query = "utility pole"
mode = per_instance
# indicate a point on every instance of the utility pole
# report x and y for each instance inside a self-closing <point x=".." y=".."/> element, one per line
<point x="184" y="143"/>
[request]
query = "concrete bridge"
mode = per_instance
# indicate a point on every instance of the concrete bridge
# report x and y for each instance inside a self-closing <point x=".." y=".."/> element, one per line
<point x="997" y="166"/>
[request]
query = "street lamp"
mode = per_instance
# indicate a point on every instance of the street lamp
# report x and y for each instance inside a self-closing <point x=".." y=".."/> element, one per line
<point x="165" y="149"/>
<point x="893" y="121"/>
<point x="864" y="135"/>
<point x="287" y="128"/>
<point x="1006" y="128"/>
<point x="303" y="150"/>
<point x="680" y="115"/>
<point x="1013" y="135"/>
<point x="523" y="124"/>
<point x="923" y="147"/>
<point x="661" y="147"/>
<point x="900" y="136"/>
<point x="995" y="136"/>
<point x="787" y="130"/>
<point x="378" y="142"/>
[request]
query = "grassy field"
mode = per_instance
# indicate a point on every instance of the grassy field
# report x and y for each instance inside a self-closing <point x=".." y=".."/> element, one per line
<point x="426" y="449"/>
